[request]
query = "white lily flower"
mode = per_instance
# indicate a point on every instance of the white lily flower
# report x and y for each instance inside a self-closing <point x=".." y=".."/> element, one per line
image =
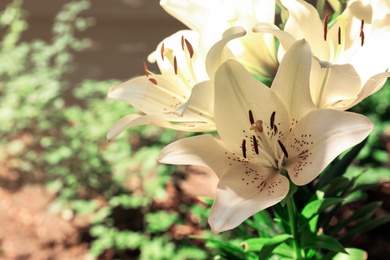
<point x="211" y="18"/>
<point x="353" y="54"/>
<point x="182" y="96"/>
<point x="263" y="131"/>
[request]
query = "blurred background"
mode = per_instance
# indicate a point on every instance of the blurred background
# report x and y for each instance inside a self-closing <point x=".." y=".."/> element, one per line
<point x="65" y="192"/>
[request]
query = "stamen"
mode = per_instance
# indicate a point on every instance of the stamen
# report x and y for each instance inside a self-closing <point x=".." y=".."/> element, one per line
<point x="190" y="48"/>
<point x="326" y="20"/>
<point x="257" y="126"/>
<point x="362" y="33"/>
<point x="175" y="64"/>
<point x="182" y="42"/>
<point x="283" y="148"/>
<point x="339" y="36"/>
<point x="275" y="129"/>
<point x="255" y="144"/>
<point x="272" y="120"/>
<point x="243" y="147"/>
<point x="145" y="69"/>
<point x="154" y="81"/>
<point x="251" y="119"/>
<point x="162" y="51"/>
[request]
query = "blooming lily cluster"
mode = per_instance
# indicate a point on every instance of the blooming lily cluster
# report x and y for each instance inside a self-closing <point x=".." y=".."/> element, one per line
<point x="267" y="137"/>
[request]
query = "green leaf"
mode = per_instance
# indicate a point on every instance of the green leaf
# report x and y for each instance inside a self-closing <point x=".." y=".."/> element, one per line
<point x="228" y="250"/>
<point x="352" y="254"/>
<point x="365" y="212"/>
<point x="264" y="246"/>
<point x="363" y="227"/>
<point x="311" y="211"/>
<point x="323" y="241"/>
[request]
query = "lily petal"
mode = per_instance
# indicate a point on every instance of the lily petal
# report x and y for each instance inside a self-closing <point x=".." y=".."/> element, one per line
<point x="201" y="150"/>
<point x="318" y="138"/>
<point x="237" y="92"/>
<point x="292" y="81"/>
<point x="189" y="12"/>
<point x="304" y="22"/>
<point x="165" y="96"/>
<point x="202" y="98"/>
<point x="219" y="53"/>
<point x="328" y="83"/>
<point x="155" y="120"/>
<point x="243" y="191"/>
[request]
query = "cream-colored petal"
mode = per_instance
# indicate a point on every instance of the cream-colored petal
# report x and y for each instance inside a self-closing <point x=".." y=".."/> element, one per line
<point x="190" y="12"/>
<point x="219" y="53"/>
<point x="163" y="97"/>
<point x="237" y="93"/>
<point x="243" y="191"/>
<point x="201" y="100"/>
<point x="292" y="80"/>
<point x="372" y="85"/>
<point x="320" y="137"/>
<point x="157" y="120"/>
<point x="201" y="150"/>
<point x="333" y="83"/>
<point x="304" y="23"/>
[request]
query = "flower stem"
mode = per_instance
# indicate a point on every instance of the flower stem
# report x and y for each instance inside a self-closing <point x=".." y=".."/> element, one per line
<point x="291" y="218"/>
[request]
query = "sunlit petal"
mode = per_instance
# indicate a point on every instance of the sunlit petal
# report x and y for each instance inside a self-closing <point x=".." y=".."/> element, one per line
<point x="236" y="93"/>
<point x="133" y="120"/>
<point x="320" y="137"/>
<point x="292" y="81"/>
<point x="202" y="150"/>
<point x="243" y="191"/>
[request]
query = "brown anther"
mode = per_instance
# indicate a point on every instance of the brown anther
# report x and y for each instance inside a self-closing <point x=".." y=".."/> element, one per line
<point x="283" y="148"/>
<point x="162" y="51"/>
<point x="257" y="126"/>
<point x="243" y="147"/>
<point x="251" y="119"/>
<point x="175" y="64"/>
<point x="272" y="120"/>
<point x="255" y="144"/>
<point x="182" y="42"/>
<point x="326" y="20"/>
<point x="145" y="69"/>
<point x="339" y="36"/>
<point x="189" y="48"/>
<point x="154" y="81"/>
<point x="275" y="129"/>
<point x="362" y="33"/>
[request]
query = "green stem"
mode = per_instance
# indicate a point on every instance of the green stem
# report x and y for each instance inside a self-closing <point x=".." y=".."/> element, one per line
<point x="291" y="218"/>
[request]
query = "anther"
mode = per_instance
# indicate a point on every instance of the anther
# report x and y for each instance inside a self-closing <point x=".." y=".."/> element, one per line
<point x="154" y="81"/>
<point x="283" y="148"/>
<point x="272" y="120"/>
<point x="251" y="119"/>
<point x="162" y="51"/>
<point x="190" y="48"/>
<point x="182" y="42"/>
<point x="339" y="36"/>
<point x="255" y="145"/>
<point x="326" y="20"/>
<point x="362" y="33"/>
<point x="175" y="64"/>
<point x="243" y="147"/>
<point x="275" y="129"/>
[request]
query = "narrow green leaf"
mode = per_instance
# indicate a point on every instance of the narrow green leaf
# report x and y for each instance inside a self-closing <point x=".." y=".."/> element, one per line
<point x="325" y="242"/>
<point x="365" y="212"/>
<point x="256" y="244"/>
<point x="363" y="227"/>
